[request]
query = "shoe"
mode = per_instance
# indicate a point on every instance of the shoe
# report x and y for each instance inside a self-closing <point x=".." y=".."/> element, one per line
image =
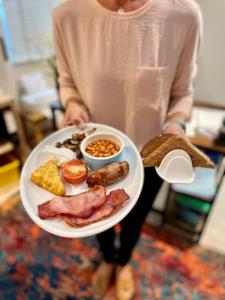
<point x="102" y="279"/>
<point x="125" y="286"/>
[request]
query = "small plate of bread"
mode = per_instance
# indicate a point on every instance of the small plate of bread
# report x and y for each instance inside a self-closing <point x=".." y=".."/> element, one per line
<point x="174" y="158"/>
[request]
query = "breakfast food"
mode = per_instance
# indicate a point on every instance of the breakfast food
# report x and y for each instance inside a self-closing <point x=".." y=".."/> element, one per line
<point x="113" y="202"/>
<point x="109" y="174"/>
<point x="75" y="171"/>
<point x="85" y="208"/>
<point x="102" y="148"/>
<point x="81" y="205"/>
<point x="74" y="142"/>
<point x="61" y="155"/>
<point x="154" y="144"/>
<point x="155" y="150"/>
<point x="64" y="168"/>
<point x="48" y="178"/>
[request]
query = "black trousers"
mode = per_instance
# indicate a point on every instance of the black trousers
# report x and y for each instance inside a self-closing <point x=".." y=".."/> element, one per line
<point x="131" y="225"/>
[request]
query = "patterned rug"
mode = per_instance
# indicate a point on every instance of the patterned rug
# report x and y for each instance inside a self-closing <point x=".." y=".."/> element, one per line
<point x="35" y="265"/>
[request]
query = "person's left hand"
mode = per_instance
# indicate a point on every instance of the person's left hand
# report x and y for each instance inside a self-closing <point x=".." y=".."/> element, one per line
<point x="174" y="129"/>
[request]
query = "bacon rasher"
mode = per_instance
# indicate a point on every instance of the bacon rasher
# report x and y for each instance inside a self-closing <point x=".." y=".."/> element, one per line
<point x="113" y="202"/>
<point x="81" y="205"/>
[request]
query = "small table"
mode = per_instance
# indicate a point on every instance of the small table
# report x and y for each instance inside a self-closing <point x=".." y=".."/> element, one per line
<point x="203" y="142"/>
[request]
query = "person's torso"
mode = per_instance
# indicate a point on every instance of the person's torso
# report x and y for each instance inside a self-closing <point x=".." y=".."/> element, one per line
<point x="124" y="64"/>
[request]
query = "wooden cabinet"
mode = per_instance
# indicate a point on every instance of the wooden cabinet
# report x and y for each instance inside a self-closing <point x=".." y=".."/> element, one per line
<point x="9" y="141"/>
<point x="10" y="144"/>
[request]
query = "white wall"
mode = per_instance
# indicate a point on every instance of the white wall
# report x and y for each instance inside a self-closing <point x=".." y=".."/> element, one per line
<point x="6" y="78"/>
<point x="213" y="235"/>
<point x="210" y="81"/>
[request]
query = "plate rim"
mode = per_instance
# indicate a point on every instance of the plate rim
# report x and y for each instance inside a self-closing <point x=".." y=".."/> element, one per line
<point x="77" y="234"/>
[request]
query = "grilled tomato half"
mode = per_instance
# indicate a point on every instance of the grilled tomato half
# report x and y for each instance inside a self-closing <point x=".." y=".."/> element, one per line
<point x="75" y="171"/>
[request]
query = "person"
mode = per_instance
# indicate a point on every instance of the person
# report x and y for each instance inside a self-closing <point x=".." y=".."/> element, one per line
<point x="129" y="64"/>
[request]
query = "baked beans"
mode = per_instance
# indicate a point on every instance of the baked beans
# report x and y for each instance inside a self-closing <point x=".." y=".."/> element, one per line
<point x="102" y="148"/>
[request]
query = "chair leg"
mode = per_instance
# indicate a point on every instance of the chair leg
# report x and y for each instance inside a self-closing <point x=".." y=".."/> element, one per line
<point x="24" y="126"/>
<point x="166" y="206"/>
<point x="34" y="121"/>
<point x="38" y="135"/>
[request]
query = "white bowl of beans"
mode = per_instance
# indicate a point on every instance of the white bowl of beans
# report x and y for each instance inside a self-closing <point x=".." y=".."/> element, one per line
<point x="100" y="149"/>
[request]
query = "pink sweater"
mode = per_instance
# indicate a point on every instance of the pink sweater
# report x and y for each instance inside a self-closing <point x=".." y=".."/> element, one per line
<point x="132" y="69"/>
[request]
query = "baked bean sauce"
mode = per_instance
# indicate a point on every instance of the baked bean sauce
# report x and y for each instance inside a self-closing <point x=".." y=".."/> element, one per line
<point x="102" y="148"/>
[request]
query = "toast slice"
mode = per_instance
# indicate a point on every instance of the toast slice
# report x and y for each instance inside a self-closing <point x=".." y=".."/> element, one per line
<point x="155" y="150"/>
<point x="154" y="144"/>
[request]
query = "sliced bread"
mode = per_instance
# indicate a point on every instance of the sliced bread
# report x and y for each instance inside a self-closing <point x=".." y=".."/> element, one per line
<point x="155" y="150"/>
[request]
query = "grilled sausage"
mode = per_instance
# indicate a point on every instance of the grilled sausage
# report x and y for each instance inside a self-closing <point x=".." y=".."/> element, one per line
<point x="109" y="174"/>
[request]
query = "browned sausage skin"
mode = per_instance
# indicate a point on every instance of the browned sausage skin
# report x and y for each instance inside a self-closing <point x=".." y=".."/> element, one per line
<point x="108" y="174"/>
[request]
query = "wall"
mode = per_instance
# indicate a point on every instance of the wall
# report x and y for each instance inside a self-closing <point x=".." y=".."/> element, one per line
<point x="210" y="81"/>
<point x="5" y="84"/>
<point x="213" y="235"/>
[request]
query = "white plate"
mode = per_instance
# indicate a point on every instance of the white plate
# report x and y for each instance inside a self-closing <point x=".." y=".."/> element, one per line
<point x="32" y="195"/>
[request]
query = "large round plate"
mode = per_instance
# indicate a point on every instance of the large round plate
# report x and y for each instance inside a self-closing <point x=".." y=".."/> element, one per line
<point x="32" y="195"/>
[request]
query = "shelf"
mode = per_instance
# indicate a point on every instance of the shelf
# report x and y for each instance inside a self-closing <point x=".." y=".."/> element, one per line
<point x="6" y="148"/>
<point x="9" y="192"/>
<point x="22" y="147"/>
<point x="5" y="102"/>
<point x="183" y="226"/>
<point x="203" y="142"/>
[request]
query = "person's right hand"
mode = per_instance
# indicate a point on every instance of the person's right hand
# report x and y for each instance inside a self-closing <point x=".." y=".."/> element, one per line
<point x="75" y="114"/>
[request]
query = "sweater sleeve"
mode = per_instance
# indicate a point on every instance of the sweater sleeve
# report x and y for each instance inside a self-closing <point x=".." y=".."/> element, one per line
<point x="68" y="89"/>
<point x="181" y="99"/>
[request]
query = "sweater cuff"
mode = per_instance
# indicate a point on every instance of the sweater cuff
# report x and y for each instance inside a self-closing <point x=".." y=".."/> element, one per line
<point x="183" y="105"/>
<point x="70" y="94"/>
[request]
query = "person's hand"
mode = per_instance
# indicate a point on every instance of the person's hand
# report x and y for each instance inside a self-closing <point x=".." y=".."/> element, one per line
<point x="174" y="129"/>
<point x="75" y="114"/>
